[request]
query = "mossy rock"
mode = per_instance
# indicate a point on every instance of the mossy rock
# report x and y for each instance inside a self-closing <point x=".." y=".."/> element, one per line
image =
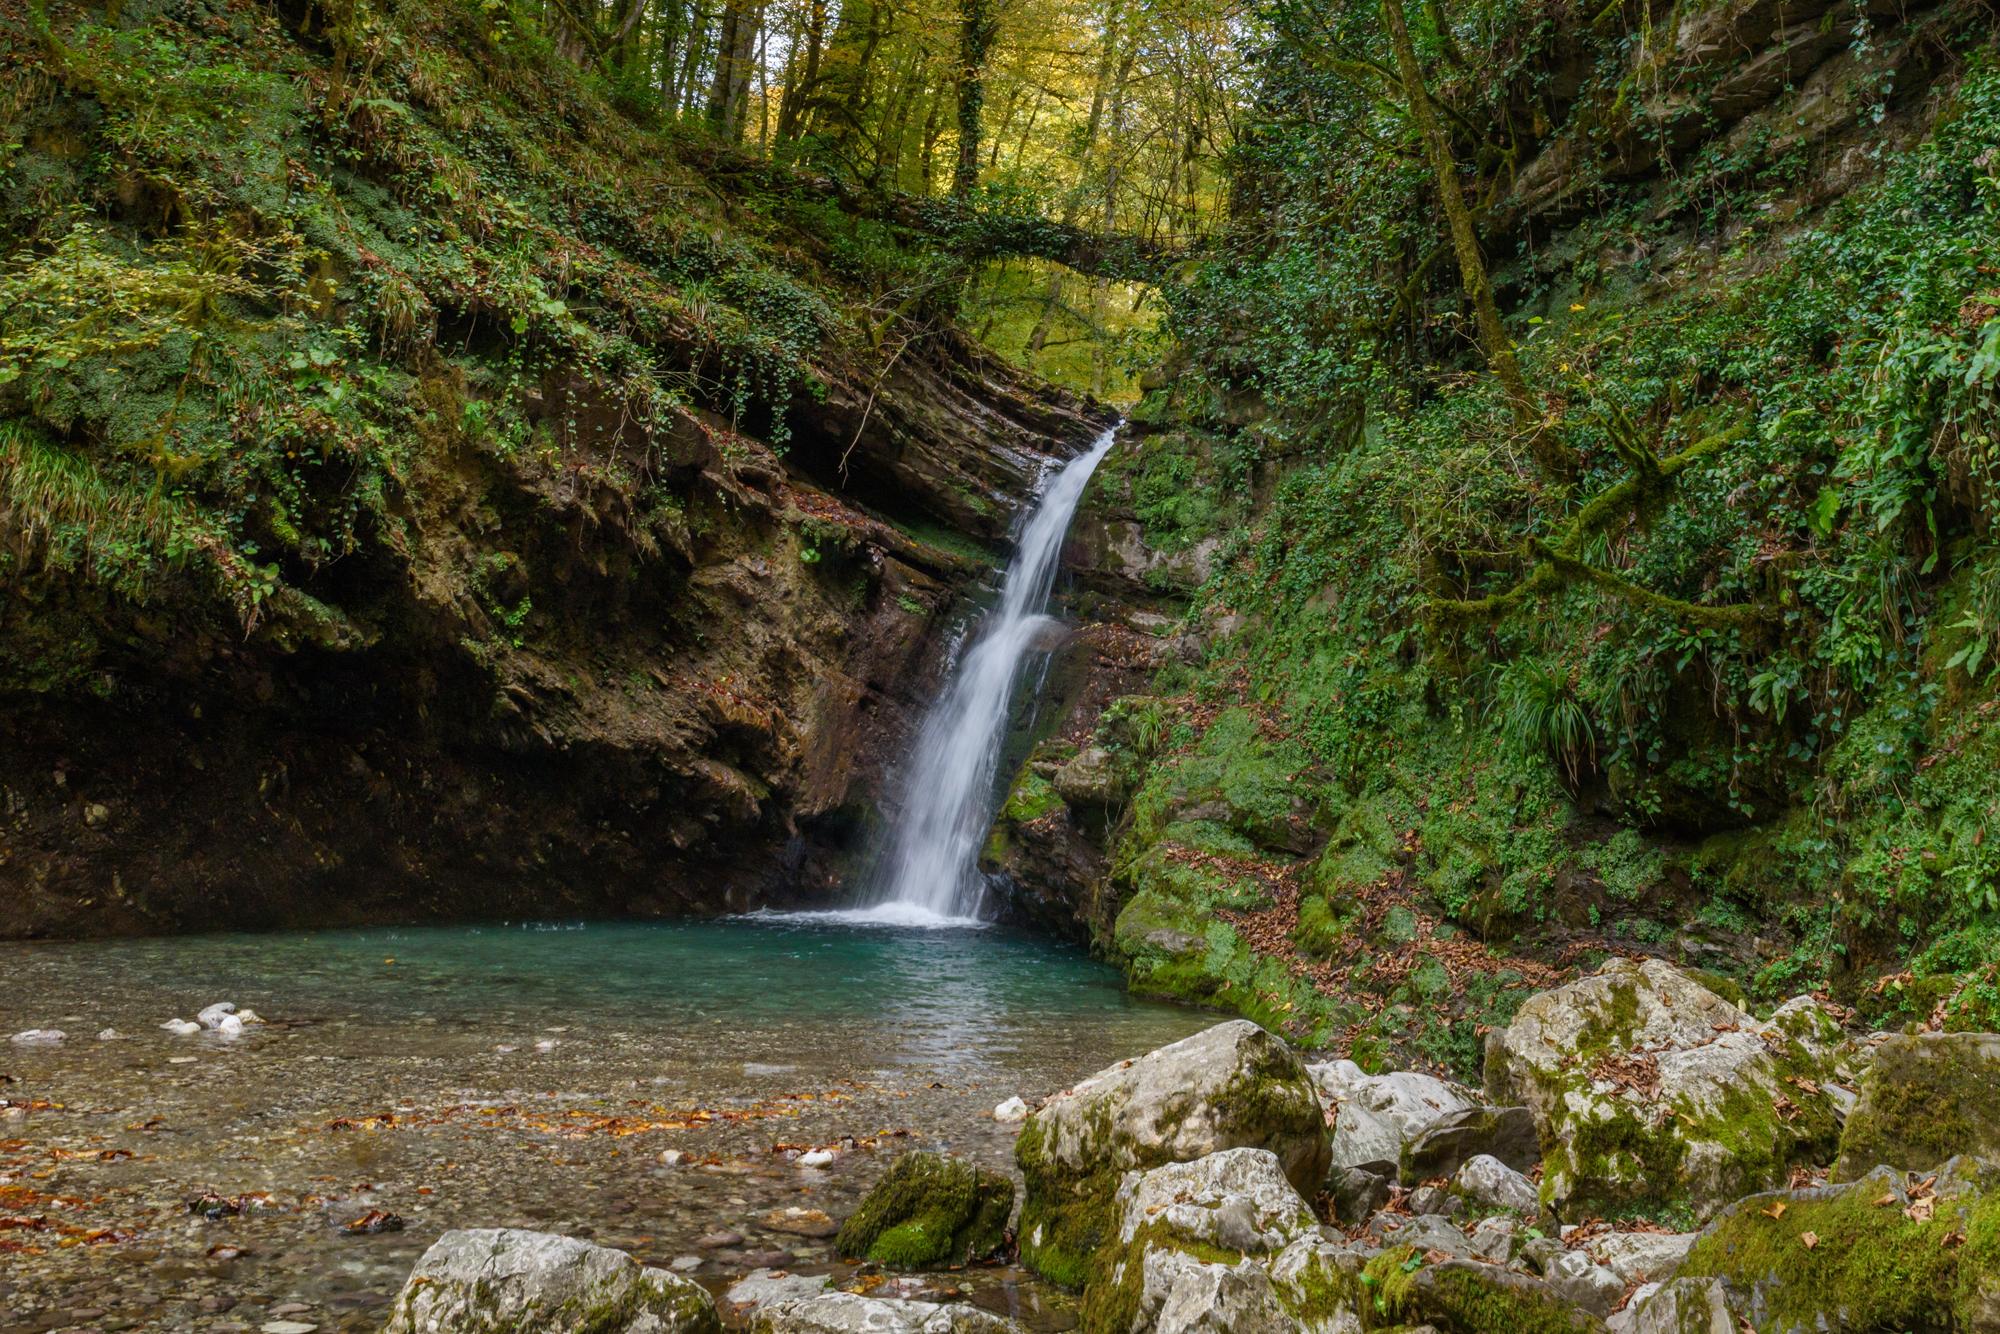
<point x="1463" y="1295"/>
<point x="1926" y="1097"/>
<point x="1881" y="1256"/>
<point x="1231" y="1086"/>
<point x="1649" y="1091"/>
<point x="930" y="1212"/>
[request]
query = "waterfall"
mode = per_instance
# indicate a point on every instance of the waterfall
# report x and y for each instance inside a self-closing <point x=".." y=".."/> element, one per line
<point x="931" y="872"/>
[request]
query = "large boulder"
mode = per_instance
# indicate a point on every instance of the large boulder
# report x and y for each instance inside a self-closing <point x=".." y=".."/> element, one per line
<point x="1925" y="1098"/>
<point x="1646" y="1087"/>
<point x="1231" y="1086"/>
<point x="1891" y="1251"/>
<point x="850" y="1313"/>
<point x="503" y="1280"/>
<point x="930" y="1212"/>
<point x="1197" y="1248"/>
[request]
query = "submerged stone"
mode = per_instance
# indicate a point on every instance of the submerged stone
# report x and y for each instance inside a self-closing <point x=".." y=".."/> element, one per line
<point x="1925" y="1098"/>
<point x="504" y="1280"/>
<point x="851" y="1313"/>
<point x="930" y="1211"/>
<point x="1231" y="1086"/>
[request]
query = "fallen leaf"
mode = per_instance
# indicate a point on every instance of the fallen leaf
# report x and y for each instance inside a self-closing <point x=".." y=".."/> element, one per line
<point x="1808" y="1239"/>
<point x="1920" y="1211"/>
<point x="1887" y="1197"/>
<point x="1775" y="1209"/>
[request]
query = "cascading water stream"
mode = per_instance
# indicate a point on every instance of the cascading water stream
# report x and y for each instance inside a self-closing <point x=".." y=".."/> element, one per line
<point x="931" y="875"/>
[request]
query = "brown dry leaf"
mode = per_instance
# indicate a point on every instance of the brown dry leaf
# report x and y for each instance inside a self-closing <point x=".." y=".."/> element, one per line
<point x="1953" y="1239"/>
<point x="1776" y="1209"/>
<point x="1920" y="1211"/>
<point x="1808" y="1239"/>
<point x="1887" y="1197"/>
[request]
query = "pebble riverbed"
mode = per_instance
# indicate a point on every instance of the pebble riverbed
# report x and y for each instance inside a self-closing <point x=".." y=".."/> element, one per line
<point x="648" y="1087"/>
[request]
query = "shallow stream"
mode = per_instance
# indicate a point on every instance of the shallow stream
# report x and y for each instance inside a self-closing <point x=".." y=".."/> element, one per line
<point x="505" y="1076"/>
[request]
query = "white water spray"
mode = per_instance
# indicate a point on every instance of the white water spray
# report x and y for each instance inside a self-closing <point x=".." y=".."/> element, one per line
<point x="931" y="874"/>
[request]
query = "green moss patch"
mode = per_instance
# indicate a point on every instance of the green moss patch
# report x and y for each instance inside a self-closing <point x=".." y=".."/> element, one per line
<point x="930" y="1212"/>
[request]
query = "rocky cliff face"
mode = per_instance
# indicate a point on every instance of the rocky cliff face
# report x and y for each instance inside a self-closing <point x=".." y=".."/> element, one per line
<point x="422" y="494"/>
<point x="549" y="694"/>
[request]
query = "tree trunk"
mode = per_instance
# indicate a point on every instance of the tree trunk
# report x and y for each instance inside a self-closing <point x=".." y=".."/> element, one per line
<point x="1499" y="348"/>
<point x="976" y="30"/>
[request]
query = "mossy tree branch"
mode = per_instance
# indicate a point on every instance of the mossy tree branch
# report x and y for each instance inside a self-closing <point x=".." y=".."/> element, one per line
<point x="1559" y="563"/>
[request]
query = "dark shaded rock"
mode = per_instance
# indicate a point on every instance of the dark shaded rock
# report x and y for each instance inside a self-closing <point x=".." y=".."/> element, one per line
<point x="1505" y="1133"/>
<point x="1357" y="1193"/>
<point x="930" y="1212"/>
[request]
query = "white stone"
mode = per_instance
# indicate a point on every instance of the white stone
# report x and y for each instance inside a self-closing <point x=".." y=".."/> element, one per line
<point x="39" y="1037"/>
<point x="211" y="1016"/>
<point x="109" y="1035"/>
<point x="181" y="1027"/>
<point x="672" y="1157"/>
<point x="1014" y="1109"/>
<point x="229" y="1026"/>
<point x="816" y="1158"/>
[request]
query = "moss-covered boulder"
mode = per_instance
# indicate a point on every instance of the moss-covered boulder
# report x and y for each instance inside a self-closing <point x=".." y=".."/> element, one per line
<point x="1649" y="1089"/>
<point x="930" y="1211"/>
<point x="1196" y="1248"/>
<point x="1466" y="1297"/>
<point x="1231" y="1086"/>
<point x="1925" y="1098"/>
<point x="504" y="1280"/>
<point x="1891" y="1251"/>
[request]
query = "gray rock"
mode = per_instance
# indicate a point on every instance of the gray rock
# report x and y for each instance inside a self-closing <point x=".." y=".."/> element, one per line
<point x="1583" y="1282"/>
<point x="499" y="1280"/>
<point x="1435" y="1200"/>
<point x="1493" y="1238"/>
<point x="1642" y="1257"/>
<point x="1426" y="1232"/>
<point x="1365" y="1140"/>
<point x="1439" y="1149"/>
<point x="1487" y="1181"/>
<point x="1356" y="1193"/>
<point x="849" y="1313"/>
<point x="1231" y="1086"/>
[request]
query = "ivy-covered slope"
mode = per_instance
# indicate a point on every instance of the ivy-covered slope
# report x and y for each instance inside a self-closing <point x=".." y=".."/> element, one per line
<point x="1719" y="687"/>
<point x="423" y="491"/>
